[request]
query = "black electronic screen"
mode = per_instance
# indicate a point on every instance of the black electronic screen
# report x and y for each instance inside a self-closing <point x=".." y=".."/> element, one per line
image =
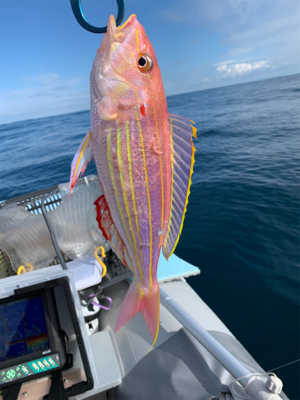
<point x="23" y="328"/>
<point x="32" y="343"/>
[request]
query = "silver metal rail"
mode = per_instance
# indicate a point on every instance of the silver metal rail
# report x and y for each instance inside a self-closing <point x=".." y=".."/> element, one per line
<point x="230" y="363"/>
<point x="252" y="383"/>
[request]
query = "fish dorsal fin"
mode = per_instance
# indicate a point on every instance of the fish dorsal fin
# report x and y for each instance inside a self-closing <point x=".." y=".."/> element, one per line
<point x="81" y="159"/>
<point x="182" y="162"/>
<point x="110" y="231"/>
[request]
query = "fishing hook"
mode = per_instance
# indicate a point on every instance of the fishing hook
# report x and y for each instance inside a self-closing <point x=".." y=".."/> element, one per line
<point x="78" y="13"/>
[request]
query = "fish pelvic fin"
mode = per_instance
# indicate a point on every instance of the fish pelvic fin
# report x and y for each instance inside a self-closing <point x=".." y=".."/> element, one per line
<point x="182" y="162"/>
<point x="81" y="159"/>
<point x="146" y="301"/>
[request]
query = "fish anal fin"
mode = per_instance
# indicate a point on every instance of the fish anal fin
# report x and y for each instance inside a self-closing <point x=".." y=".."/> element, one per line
<point x="81" y="159"/>
<point x="182" y="163"/>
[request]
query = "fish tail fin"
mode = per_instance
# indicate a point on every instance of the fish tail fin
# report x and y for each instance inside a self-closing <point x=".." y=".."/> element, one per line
<point x="131" y="305"/>
<point x="138" y="300"/>
<point x="150" y="311"/>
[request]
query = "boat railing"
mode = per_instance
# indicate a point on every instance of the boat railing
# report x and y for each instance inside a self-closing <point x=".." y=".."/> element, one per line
<point x="254" y="386"/>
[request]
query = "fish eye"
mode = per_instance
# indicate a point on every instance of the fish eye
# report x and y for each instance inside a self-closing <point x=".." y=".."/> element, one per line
<point x="145" y="62"/>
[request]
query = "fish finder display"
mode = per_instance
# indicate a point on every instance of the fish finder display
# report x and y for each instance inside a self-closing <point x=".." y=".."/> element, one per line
<point x="23" y="328"/>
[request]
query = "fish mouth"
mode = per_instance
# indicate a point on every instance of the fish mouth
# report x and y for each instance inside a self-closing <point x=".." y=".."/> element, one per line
<point x="122" y="31"/>
<point x="130" y="23"/>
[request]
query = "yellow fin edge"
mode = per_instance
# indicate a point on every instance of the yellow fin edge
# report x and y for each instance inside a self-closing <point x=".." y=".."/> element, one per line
<point x="187" y="196"/>
<point x="172" y="183"/>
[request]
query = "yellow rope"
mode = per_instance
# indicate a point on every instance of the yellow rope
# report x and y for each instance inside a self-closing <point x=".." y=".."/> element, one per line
<point x="104" y="269"/>
<point x="23" y="270"/>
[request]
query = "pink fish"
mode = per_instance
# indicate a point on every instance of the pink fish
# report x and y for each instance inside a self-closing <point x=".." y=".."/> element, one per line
<point x="144" y="158"/>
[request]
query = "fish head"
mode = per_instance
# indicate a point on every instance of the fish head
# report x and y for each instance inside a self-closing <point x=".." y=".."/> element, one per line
<point x="125" y="73"/>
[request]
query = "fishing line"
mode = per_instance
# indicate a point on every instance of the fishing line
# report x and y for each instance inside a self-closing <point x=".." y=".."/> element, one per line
<point x="285" y="365"/>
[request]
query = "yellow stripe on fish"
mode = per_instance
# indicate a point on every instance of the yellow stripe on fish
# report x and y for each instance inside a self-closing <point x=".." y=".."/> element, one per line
<point x="148" y="199"/>
<point x="133" y="194"/>
<point x="137" y="39"/>
<point x="113" y="182"/>
<point x="120" y="165"/>
<point x="161" y="174"/>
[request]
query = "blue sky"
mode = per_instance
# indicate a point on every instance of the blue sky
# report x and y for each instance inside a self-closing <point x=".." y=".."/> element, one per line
<point x="46" y="57"/>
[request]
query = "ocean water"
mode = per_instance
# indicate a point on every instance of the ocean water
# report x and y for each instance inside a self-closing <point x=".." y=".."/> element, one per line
<point x="242" y="222"/>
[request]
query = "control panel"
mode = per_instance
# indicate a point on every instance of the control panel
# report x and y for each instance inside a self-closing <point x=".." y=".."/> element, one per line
<point x="33" y="367"/>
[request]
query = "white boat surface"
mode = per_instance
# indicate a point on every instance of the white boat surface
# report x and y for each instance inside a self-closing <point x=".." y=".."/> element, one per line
<point x="194" y="351"/>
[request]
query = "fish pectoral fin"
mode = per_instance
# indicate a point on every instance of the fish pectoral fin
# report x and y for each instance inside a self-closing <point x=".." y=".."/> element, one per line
<point x="138" y="300"/>
<point x="81" y="159"/>
<point x="182" y="132"/>
<point x="107" y="109"/>
<point x="109" y="230"/>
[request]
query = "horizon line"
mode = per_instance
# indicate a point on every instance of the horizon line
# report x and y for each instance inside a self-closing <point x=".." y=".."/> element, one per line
<point x="168" y="96"/>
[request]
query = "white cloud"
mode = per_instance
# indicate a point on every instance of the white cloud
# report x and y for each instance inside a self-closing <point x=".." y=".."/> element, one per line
<point x="222" y="68"/>
<point x="241" y="69"/>
<point x="264" y="28"/>
<point x="43" y="95"/>
<point x="224" y="62"/>
<point x="240" y="50"/>
<point x="51" y="81"/>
